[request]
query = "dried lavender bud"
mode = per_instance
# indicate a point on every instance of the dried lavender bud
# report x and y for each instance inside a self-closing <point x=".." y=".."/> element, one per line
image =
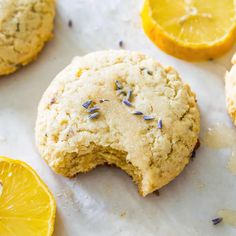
<point x="137" y="113"/>
<point x="129" y="94"/>
<point x="94" y="115"/>
<point x="148" y="118"/>
<point x="53" y="100"/>
<point x="103" y="100"/>
<point x="87" y="104"/>
<point x="118" y="85"/>
<point x="217" y="220"/>
<point x="93" y="109"/>
<point x="159" y="124"/>
<point x="70" y="24"/>
<point x="127" y="103"/>
<point x="121" y="44"/>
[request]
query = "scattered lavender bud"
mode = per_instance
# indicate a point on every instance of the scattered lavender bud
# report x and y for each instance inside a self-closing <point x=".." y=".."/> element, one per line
<point x="127" y="103"/>
<point x="53" y="100"/>
<point x="129" y="94"/>
<point x="217" y="220"/>
<point x="93" y="109"/>
<point x="137" y="113"/>
<point x="118" y="85"/>
<point x="148" y="118"/>
<point x="70" y="24"/>
<point x="103" y="100"/>
<point x="94" y="115"/>
<point x="121" y="44"/>
<point x="87" y="104"/>
<point x="159" y="124"/>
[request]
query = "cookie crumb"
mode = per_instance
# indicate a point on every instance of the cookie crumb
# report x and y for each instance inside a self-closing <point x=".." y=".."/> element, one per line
<point x="122" y="214"/>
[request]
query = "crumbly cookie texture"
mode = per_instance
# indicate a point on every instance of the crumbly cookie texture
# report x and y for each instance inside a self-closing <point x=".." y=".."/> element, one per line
<point x="230" y="90"/>
<point x="153" y="154"/>
<point x="25" y="26"/>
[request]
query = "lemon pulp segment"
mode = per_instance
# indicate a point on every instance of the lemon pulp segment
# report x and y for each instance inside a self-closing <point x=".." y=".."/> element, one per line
<point x="26" y="205"/>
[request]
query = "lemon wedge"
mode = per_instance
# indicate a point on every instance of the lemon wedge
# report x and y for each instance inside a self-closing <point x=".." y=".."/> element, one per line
<point x="191" y="29"/>
<point x="27" y="208"/>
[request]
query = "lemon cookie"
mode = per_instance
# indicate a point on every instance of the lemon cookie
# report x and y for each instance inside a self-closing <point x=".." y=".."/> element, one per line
<point x="230" y="89"/>
<point x="120" y="108"/>
<point x="25" y="26"/>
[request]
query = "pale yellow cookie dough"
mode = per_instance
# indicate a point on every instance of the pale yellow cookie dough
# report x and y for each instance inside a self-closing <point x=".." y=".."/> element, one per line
<point x="72" y="143"/>
<point x="25" y="26"/>
<point x="230" y="90"/>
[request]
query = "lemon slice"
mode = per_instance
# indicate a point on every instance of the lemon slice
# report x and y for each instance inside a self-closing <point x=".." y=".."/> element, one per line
<point x="27" y="208"/>
<point x="191" y="29"/>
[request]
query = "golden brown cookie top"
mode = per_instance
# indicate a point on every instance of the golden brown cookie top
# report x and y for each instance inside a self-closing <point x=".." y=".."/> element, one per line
<point x="138" y="107"/>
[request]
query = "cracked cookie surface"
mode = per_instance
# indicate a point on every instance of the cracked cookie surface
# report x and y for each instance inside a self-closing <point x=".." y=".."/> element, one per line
<point x="153" y="151"/>
<point x="25" y="26"/>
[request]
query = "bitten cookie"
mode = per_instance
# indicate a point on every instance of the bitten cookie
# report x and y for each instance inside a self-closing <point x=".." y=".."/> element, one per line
<point x="230" y="90"/>
<point x="120" y="108"/>
<point x="25" y="26"/>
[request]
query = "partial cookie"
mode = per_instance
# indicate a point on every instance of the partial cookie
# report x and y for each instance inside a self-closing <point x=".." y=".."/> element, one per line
<point x="25" y="26"/>
<point x="230" y="89"/>
<point x="120" y="108"/>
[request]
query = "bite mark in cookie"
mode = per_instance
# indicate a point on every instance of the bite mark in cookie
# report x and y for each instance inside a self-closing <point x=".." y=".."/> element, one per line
<point x="152" y="140"/>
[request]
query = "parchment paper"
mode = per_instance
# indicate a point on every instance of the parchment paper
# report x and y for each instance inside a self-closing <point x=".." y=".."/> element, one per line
<point x="105" y="201"/>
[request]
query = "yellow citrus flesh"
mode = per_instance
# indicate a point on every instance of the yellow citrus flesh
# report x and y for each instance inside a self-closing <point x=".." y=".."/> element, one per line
<point x="191" y="29"/>
<point x="27" y="208"/>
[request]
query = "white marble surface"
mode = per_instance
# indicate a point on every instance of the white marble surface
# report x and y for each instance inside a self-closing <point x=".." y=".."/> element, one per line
<point x="105" y="201"/>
